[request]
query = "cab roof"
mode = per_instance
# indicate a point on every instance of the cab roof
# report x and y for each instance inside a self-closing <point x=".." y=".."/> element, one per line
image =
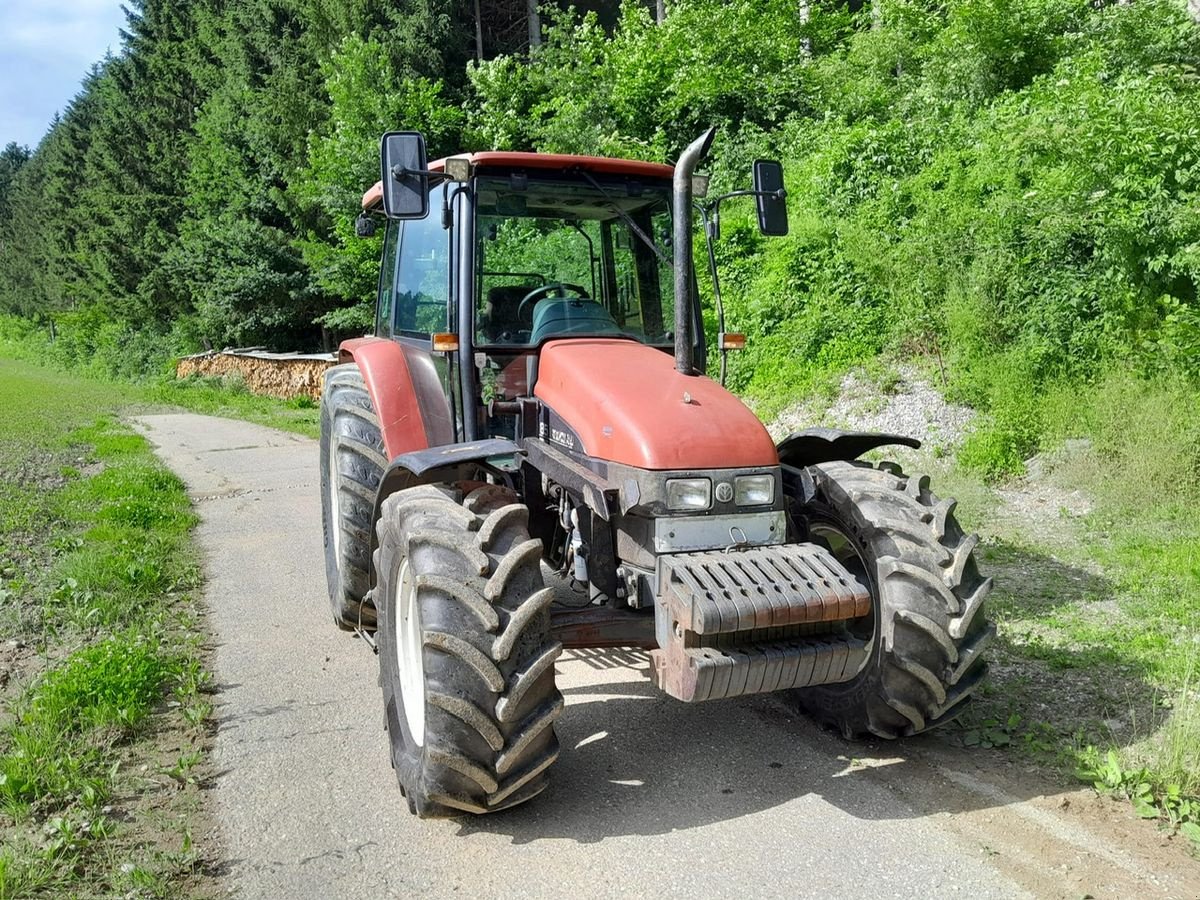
<point x="500" y="160"/>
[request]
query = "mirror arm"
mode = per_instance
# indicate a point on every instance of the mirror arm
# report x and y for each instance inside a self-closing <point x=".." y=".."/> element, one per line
<point x="399" y="172"/>
<point x="780" y="194"/>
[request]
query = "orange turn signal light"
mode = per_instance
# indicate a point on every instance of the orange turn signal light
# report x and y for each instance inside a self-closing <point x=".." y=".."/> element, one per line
<point x="445" y="342"/>
<point x="731" y="340"/>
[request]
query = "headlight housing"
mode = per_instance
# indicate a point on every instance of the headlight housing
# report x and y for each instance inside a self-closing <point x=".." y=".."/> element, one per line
<point x="689" y="493"/>
<point x="754" y="490"/>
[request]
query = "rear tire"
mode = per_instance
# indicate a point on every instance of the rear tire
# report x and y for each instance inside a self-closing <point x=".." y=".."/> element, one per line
<point x="465" y="654"/>
<point x="927" y="623"/>
<point x="352" y="463"/>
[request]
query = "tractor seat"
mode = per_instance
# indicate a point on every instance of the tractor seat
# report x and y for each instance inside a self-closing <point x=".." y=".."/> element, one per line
<point x="570" y="315"/>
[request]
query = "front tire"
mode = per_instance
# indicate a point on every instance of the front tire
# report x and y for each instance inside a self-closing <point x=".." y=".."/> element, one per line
<point x="466" y="658"/>
<point x="927" y="626"/>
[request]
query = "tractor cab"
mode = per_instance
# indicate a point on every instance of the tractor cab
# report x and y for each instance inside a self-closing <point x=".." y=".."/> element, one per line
<point x="501" y="253"/>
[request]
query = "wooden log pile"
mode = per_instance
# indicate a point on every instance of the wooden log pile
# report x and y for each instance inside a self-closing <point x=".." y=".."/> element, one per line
<point x="281" y="375"/>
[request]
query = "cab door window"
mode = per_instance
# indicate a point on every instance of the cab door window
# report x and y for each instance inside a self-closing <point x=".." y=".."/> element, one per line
<point x="422" y="283"/>
<point x="387" y="281"/>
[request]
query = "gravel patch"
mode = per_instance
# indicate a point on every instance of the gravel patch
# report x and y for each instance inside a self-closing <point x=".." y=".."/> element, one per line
<point x="909" y="406"/>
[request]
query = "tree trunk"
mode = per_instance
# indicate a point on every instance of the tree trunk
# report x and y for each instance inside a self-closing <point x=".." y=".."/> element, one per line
<point x="535" y="25"/>
<point x="660" y="11"/>
<point x="478" y="33"/>
<point x="805" y="13"/>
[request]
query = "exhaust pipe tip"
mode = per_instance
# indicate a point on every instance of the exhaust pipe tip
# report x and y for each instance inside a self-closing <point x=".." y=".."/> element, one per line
<point x="684" y="168"/>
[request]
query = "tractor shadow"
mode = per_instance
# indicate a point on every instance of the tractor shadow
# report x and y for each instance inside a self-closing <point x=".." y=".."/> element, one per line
<point x="635" y="762"/>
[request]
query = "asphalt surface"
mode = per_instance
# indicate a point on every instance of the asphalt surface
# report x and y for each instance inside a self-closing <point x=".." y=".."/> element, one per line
<point x="650" y="797"/>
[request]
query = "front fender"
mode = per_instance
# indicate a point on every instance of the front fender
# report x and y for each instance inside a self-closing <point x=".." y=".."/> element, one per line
<point x="818" y="445"/>
<point x="405" y="392"/>
<point x="434" y="465"/>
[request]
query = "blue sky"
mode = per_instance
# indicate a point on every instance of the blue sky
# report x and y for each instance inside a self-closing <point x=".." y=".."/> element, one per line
<point x="46" y="47"/>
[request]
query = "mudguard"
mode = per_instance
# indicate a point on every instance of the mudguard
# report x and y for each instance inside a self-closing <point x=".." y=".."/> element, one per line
<point x="405" y="391"/>
<point x="439" y="464"/>
<point x="818" y="445"/>
<point x="452" y="462"/>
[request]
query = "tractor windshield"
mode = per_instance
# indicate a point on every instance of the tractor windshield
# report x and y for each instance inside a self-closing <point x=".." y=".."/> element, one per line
<point x="560" y="257"/>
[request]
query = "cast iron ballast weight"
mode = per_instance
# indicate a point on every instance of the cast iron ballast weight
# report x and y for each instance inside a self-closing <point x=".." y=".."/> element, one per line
<point x="527" y="456"/>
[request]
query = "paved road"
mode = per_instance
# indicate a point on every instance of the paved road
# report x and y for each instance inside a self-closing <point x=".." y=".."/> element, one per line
<point x="650" y="797"/>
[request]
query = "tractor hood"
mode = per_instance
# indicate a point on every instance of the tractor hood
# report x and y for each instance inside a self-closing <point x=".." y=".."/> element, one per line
<point x="626" y="403"/>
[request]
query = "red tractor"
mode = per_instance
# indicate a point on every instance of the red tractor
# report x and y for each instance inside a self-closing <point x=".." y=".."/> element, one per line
<point x="527" y="455"/>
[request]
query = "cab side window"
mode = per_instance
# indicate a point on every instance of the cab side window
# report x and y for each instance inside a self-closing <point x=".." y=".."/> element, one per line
<point x="387" y="281"/>
<point x="422" y="284"/>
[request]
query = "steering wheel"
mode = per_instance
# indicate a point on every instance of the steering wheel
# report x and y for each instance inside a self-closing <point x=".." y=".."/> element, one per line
<point x="545" y="291"/>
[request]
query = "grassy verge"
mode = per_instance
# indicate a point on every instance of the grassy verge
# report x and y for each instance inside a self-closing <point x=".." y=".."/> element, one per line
<point x="227" y="397"/>
<point x="1096" y="555"/>
<point x="101" y="676"/>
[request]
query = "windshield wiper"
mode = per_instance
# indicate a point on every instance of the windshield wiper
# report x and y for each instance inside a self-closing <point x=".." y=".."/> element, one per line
<point x="626" y="218"/>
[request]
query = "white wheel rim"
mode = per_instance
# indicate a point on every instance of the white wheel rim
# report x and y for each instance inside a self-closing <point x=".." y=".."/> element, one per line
<point x="335" y="506"/>
<point x="409" y="657"/>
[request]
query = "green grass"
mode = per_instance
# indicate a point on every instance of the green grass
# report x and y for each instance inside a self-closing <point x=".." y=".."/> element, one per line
<point x="21" y="344"/>
<point x="1102" y="607"/>
<point x="97" y="574"/>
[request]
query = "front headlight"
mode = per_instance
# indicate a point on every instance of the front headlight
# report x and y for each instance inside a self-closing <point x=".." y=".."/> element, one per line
<point x="689" y="493"/>
<point x="754" y="490"/>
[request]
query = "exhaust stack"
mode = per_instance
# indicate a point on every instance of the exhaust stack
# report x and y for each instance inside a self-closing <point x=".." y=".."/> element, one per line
<point x="684" y="169"/>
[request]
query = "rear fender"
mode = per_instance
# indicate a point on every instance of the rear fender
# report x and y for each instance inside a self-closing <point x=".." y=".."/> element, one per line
<point x="405" y="391"/>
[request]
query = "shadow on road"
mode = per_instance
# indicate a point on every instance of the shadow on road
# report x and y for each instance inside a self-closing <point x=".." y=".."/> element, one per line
<point x="635" y="762"/>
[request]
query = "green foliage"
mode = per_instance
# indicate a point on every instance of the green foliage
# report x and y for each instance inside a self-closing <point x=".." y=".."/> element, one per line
<point x="646" y="90"/>
<point x="367" y="97"/>
<point x="1151" y="798"/>
<point x="12" y="158"/>
<point x="1002" y="183"/>
<point x="195" y="193"/>
<point x="1010" y="184"/>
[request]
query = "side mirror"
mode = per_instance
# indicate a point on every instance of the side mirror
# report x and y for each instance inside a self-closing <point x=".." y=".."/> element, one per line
<point x="405" y="175"/>
<point x="364" y="226"/>
<point x="770" y="194"/>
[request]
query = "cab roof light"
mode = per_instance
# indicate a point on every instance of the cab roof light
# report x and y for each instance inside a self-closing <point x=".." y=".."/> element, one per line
<point x="458" y="168"/>
<point x="731" y="340"/>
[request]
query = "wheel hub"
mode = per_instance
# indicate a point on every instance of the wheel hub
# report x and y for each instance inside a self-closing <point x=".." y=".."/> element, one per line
<point x="335" y="505"/>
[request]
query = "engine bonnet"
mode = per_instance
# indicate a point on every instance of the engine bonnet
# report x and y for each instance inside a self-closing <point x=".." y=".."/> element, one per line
<point x="627" y="404"/>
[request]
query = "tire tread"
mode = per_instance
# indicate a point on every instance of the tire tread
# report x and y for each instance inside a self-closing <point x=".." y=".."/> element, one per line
<point x="929" y="623"/>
